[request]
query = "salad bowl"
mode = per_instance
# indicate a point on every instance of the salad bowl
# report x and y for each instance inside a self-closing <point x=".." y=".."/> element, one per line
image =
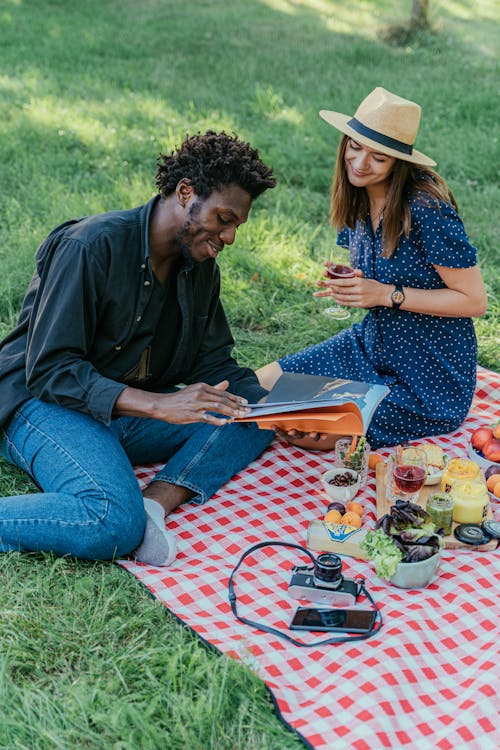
<point x="416" y="575"/>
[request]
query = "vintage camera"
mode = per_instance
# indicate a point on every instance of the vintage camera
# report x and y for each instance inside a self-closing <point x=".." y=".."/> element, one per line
<point x="324" y="583"/>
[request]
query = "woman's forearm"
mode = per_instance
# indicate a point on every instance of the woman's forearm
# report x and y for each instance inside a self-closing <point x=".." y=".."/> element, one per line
<point x="444" y="302"/>
<point x="464" y="297"/>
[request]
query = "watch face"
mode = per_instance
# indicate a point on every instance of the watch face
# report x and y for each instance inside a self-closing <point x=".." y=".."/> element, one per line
<point x="397" y="297"/>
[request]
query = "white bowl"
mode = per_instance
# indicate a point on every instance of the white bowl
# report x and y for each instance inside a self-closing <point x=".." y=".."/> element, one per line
<point x="479" y="459"/>
<point x="341" y="494"/>
<point x="433" y="476"/>
<point x="416" y="575"/>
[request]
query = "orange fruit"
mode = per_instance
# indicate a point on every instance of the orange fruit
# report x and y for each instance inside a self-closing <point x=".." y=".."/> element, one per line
<point x="355" y="508"/>
<point x="374" y="459"/>
<point x="351" y="519"/>
<point x="332" y="516"/>
<point x="491" y="481"/>
<point x="496" y="489"/>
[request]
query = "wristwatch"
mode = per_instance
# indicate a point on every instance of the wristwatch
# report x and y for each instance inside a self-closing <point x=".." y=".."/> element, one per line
<point x="397" y="297"/>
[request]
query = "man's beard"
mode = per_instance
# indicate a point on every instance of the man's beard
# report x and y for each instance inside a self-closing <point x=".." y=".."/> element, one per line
<point x="184" y="237"/>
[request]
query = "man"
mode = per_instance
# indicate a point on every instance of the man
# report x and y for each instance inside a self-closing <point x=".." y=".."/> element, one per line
<point x="122" y="356"/>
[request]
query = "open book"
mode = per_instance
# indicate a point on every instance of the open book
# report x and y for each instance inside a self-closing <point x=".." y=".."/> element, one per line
<point x="313" y="403"/>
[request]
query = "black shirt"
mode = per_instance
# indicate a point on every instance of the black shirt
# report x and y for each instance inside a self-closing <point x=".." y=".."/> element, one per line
<point x="95" y="319"/>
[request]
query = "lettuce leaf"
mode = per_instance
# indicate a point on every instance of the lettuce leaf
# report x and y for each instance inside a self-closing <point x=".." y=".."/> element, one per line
<point x="382" y="551"/>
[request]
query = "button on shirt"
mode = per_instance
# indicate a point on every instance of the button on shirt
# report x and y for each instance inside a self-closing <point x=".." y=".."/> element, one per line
<point x="95" y="319"/>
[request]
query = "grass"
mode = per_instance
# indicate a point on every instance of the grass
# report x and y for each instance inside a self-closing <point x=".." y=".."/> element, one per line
<point x="89" y="661"/>
<point x="89" y="94"/>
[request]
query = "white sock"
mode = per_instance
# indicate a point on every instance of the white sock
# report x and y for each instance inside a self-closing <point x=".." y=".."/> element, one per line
<point x="158" y="545"/>
<point x="154" y="509"/>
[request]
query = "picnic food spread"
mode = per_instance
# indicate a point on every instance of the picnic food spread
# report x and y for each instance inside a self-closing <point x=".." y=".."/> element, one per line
<point x="459" y="501"/>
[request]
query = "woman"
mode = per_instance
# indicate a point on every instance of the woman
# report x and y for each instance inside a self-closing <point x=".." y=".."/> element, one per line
<point x="416" y="274"/>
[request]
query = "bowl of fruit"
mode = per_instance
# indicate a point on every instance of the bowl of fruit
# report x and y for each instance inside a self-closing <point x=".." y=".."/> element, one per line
<point x="484" y="449"/>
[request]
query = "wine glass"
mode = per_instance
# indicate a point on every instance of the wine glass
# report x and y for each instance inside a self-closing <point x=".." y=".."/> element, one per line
<point x="338" y="271"/>
<point x="407" y="471"/>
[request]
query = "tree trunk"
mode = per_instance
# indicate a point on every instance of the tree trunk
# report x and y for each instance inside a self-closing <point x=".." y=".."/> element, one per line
<point x="420" y="14"/>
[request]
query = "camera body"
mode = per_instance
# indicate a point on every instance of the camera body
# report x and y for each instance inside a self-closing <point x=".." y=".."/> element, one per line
<point x="323" y="584"/>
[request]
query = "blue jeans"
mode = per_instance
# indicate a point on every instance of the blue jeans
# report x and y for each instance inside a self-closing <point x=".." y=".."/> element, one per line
<point x="91" y="505"/>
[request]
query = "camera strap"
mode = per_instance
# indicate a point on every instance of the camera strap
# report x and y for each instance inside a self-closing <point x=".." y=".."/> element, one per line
<point x="268" y="629"/>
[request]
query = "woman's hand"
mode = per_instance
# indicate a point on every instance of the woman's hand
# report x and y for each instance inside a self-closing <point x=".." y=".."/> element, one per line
<point x="356" y="291"/>
<point x="184" y="406"/>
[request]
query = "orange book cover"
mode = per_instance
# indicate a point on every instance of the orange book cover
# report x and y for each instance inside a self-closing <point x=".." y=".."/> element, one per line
<point x="314" y="403"/>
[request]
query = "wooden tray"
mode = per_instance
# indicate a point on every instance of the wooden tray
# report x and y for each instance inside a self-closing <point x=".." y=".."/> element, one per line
<point x="450" y="541"/>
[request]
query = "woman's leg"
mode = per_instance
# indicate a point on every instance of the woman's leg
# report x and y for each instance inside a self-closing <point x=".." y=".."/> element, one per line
<point x="402" y="416"/>
<point x="91" y="505"/>
<point x="269" y="374"/>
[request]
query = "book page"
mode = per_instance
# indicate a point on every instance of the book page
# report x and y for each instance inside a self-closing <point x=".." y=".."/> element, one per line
<point x="297" y="391"/>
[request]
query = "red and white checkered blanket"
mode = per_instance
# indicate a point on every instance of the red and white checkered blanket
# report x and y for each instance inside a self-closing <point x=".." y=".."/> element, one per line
<point x="429" y="679"/>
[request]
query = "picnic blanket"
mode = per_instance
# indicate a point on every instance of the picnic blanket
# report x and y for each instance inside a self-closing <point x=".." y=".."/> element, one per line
<point x="429" y="679"/>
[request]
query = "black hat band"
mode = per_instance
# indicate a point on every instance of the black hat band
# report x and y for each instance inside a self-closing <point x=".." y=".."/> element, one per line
<point x="384" y="140"/>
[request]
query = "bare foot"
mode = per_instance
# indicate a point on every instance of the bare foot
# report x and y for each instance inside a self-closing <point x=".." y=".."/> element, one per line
<point x="170" y="496"/>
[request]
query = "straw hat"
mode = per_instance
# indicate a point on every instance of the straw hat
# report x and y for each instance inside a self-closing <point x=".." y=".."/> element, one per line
<point x="385" y="122"/>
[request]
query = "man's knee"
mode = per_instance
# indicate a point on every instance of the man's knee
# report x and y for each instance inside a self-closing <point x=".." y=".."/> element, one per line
<point x="117" y="531"/>
<point x="257" y="439"/>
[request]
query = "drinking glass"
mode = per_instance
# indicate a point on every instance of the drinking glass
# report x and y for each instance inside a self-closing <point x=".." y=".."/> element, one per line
<point x="338" y="271"/>
<point x="357" y="460"/>
<point x="406" y="473"/>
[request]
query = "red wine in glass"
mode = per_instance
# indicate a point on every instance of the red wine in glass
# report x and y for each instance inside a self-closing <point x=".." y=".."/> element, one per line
<point x="339" y="271"/>
<point x="409" y="478"/>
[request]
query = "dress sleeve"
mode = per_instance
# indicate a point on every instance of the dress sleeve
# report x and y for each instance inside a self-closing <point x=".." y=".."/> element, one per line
<point x="444" y="238"/>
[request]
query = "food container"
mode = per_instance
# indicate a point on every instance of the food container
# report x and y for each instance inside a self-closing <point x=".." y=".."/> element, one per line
<point x="358" y="460"/>
<point x="440" y="508"/>
<point x="459" y="470"/>
<point x="416" y="575"/>
<point x="345" y="492"/>
<point x="481" y="460"/>
<point x="470" y="502"/>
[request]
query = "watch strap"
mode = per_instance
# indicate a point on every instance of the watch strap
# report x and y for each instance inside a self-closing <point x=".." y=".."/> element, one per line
<point x="397" y="297"/>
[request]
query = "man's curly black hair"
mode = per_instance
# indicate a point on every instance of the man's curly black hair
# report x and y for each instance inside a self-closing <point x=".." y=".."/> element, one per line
<point x="213" y="161"/>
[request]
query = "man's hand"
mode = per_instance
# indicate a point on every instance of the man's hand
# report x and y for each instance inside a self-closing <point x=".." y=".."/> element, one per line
<point x="190" y="404"/>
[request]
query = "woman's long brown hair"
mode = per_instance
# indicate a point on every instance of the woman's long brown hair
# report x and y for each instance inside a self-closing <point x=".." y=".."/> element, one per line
<point x="350" y="204"/>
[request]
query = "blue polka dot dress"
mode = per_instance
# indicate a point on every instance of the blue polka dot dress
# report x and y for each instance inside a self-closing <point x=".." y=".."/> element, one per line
<point x="428" y="361"/>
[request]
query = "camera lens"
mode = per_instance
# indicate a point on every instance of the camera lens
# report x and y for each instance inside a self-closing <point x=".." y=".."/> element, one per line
<point x="328" y="568"/>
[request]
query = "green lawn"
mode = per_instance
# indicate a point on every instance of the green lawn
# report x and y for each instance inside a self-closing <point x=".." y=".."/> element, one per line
<point x="90" y="92"/>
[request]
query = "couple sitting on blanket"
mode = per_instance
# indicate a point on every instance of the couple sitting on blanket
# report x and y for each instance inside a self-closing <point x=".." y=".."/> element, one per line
<point x="124" y="307"/>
